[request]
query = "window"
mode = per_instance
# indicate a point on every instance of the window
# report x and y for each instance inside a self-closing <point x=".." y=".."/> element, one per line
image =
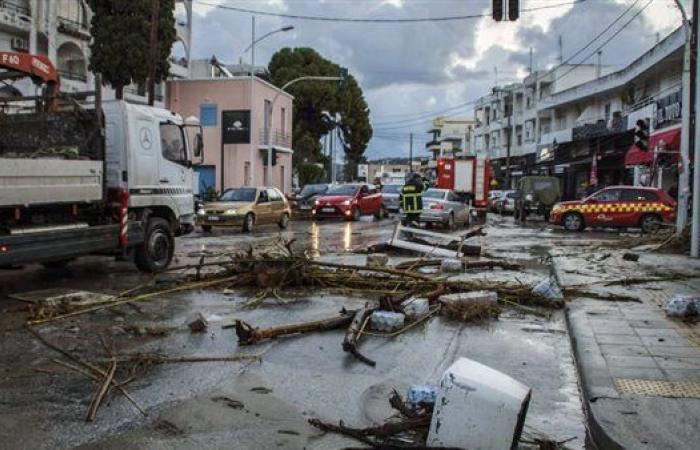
<point x="434" y="193"/>
<point x="172" y="143"/>
<point x="72" y="11"/>
<point x="639" y="195"/>
<point x="520" y="139"/>
<point x="609" y="195"/>
<point x="274" y="195"/>
<point x="607" y="112"/>
<point x="528" y="102"/>
<point x="364" y="190"/>
<point x="283" y="120"/>
<point x="268" y="113"/>
<point x="208" y="114"/>
<point x="263" y="198"/>
<point x="238" y="195"/>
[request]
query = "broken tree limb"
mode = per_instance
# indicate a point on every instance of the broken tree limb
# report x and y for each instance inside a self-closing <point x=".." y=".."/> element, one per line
<point x="248" y="335"/>
<point x="466" y="265"/>
<point x="381" y="432"/>
<point x="91" y="367"/>
<point x="155" y="358"/>
<point x="101" y="391"/>
<point x="352" y="336"/>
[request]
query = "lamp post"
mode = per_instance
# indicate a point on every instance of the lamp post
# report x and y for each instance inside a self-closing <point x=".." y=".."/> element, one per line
<point x="251" y="151"/>
<point x="268" y="125"/>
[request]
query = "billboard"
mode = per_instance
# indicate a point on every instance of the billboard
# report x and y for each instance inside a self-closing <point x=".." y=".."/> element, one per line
<point x="235" y="127"/>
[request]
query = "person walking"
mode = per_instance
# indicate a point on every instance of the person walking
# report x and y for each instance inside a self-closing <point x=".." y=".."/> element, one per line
<point x="411" y="199"/>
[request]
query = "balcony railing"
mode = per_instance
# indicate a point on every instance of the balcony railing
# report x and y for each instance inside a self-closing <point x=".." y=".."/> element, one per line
<point x="14" y="7"/>
<point x="277" y="138"/>
<point x="70" y="75"/>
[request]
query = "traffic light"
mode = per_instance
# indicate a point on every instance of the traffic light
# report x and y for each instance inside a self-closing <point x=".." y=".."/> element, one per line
<point x="497" y="10"/>
<point x="513" y="9"/>
<point x="641" y="134"/>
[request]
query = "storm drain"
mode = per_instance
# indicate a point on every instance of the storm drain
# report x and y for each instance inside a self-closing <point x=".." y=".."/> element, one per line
<point x="658" y="388"/>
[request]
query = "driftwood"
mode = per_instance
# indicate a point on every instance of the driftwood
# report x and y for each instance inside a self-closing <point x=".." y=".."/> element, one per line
<point x="381" y="432"/>
<point x="156" y="358"/>
<point x="467" y="265"/>
<point x="352" y="336"/>
<point x="248" y="335"/>
<point x="101" y="391"/>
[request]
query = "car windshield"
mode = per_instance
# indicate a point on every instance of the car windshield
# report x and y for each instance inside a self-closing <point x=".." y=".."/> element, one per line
<point x="312" y="189"/>
<point x="391" y="189"/>
<point x="239" y="195"/>
<point x="433" y="193"/>
<point x="348" y="189"/>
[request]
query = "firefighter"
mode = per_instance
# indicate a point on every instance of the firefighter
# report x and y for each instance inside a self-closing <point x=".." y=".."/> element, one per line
<point x="411" y="199"/>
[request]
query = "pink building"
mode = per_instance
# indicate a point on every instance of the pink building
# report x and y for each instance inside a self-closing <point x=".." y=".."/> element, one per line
<point x="223" y="108"/>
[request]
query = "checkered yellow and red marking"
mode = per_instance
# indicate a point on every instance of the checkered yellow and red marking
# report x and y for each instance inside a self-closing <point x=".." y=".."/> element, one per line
<point x="617" y="207"/>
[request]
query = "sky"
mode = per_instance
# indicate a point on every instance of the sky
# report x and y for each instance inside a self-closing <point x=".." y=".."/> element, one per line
<point x="410" y="72"/>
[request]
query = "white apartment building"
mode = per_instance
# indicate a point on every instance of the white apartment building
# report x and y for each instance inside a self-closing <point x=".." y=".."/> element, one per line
<point x="451" y="136"/>
<point x="60" y="29"/>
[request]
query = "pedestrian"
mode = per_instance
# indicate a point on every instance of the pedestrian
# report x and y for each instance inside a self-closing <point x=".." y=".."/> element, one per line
<point x="411" y="199"/>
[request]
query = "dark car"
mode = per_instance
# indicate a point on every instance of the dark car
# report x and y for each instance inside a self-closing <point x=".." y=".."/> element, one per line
<point x="536" y="194"/>
<point x="303" y="202"/>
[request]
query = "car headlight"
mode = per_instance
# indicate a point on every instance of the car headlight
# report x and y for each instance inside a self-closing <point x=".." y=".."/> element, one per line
<point x="528" y="197"/>
<point x="230" y="212"/>
<point x="316" y="202"/>
<point x="347" y="202"/>
<point x="201" y="212"/>
<point x="556" y="206"/>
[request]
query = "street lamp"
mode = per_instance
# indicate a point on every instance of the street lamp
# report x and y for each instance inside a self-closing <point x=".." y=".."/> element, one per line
<point x="251" y="47"/>
<point x="268" y="125"/>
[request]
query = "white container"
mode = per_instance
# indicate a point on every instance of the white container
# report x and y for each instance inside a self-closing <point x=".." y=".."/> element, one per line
<point x="415" y="308"/>
<point x="478" y="408"/>
<point x="473" y="296"/>
<point x="386" y="321"/>
<point x="682" y="306"/>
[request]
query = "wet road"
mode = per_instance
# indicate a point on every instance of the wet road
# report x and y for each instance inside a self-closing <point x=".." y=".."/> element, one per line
<point x="199" y="405"/>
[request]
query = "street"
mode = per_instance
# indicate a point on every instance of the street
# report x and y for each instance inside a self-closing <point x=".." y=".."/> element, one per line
<point x="303" y="376"/>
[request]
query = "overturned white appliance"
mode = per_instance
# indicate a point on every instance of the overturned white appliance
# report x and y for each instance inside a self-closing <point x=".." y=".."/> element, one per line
<point x="478" y="408"/>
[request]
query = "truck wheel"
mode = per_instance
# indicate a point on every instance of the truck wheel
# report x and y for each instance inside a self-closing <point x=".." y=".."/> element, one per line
<point x="158" y="246"/>
<point x="284" y="221"/>
<point x="574" y="222"/>
<point x="206" y="228"/>
<point x="649" y="223"/>
<point x="248" y="223"/>
<point x="60" y="264"/>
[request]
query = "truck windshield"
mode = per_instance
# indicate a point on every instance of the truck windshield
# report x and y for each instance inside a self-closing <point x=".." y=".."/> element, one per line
<point x="239" y="195"/>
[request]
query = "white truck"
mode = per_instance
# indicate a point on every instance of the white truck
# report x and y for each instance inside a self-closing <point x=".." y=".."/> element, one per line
<point x="115" y="179"/>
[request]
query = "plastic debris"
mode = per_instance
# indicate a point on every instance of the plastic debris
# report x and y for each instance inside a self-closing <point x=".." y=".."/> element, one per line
<point x="681" y="305"/>
<point x="422" y="393"/>
<point x="198" y="323"/>
<point x="386" y="320"/>
<point x="377" y="260"/>
<point x="467" y="297"/>
<point x="415" y="308"/>
<point x="548" y="288"/>
<point x="478" y="408"/>
<point x="449" y="265"/>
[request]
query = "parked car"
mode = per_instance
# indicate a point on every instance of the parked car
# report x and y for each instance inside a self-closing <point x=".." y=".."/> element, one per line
<point x="390" y="197"/>
<point x="505" y="204"/>
<point x="617" y="206"/>
<point x="245" y="207"/>
<point x="443" y="206"/>
<point x="536" y="194"/>
<point x="349" y="201"/>
<point x="303" y="202"/>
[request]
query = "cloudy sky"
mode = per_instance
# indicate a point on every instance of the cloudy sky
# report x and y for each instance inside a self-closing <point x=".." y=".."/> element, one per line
<point x="410" y="71"/>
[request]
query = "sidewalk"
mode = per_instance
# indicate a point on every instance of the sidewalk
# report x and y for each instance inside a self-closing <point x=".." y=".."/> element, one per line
<point x="639" y="370"/>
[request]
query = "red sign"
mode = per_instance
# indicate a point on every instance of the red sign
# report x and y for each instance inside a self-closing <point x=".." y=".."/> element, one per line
<point x="35" y="65"/>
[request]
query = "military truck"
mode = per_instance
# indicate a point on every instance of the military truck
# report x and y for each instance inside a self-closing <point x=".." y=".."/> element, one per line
<point x="536" y="194"/>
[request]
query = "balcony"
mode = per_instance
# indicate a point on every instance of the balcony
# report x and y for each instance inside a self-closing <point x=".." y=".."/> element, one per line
<point x="73" y="28"/>
<point x="70" y="75"/>
<point x="276" y="138"/>
<point x="600" y="128"/>
<point x="14" y="17"/>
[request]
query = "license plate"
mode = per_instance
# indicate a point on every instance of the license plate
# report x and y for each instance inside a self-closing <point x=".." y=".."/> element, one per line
<point x="213" y="218"/>
<point x="304" y="207"/>
<point x="328" y="210"/>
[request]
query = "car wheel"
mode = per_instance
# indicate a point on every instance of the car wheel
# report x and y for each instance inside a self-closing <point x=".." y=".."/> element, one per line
<point x="206" y="228"/>
<point x="158" y="247"/>
<point x="574" y="222"/>
<point x="356" y="215"/>
<point x="650" y="223"/>
<point x="248" y="223"/>
<point x="284" y="221"/>
<point x="451" y="221"/>
<point x="60" y="264"/>
<point x="381" y="214"/>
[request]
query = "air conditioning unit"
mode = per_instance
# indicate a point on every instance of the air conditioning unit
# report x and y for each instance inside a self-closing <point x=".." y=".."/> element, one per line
<point x="19" y="44"/>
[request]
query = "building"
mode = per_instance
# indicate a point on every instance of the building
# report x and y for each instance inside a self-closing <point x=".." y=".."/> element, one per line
<point x="60" y="29"/>
<point x="450" y="136"/>
<point x="236" y="144"/>
<point x="390" y="171"/>
<point x="509" y="122"/>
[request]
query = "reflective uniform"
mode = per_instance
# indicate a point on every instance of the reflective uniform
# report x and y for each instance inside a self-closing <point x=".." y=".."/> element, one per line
<point x="412" y="200"/>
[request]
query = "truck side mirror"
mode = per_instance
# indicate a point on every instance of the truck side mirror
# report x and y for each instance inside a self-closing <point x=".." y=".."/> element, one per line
<point x="199" y="146"/>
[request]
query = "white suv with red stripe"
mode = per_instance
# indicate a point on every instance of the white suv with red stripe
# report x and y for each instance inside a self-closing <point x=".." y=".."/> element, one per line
<point x="617" y="206"/>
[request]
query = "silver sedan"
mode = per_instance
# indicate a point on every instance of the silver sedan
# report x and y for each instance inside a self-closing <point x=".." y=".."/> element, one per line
<point x="390" y="196"/>
<point x="443" y="206"/>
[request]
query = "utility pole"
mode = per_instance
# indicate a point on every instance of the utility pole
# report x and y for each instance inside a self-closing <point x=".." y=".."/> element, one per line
<point x="684" y="173"/>
<point x="251" y="149"/>
<point x="531" y="67"/>
<point x="155" y="20"/>
<point x="508" y="139"/>
<point x="561" y="50"/>
<point x="599" y="66"/>
<point x="331" y="169"/>
<point x="410" y="154"/>
<point x="695" y="229"/>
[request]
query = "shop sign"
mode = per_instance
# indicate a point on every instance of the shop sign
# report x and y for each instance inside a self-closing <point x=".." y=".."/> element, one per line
<point x="668" y="110"/>
<point x="545" y="153"/>
<point x="235" y="127"/>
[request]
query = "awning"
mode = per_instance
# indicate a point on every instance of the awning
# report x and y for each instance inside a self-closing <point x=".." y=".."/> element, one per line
<point x="667" y="140"/>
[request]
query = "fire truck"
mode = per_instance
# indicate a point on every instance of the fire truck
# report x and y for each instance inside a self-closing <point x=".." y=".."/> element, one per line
<point x="469" y="176"/>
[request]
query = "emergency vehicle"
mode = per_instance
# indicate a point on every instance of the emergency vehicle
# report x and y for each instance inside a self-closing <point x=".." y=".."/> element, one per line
<point x="617" y="206"/>
<point x="469" y="176"/>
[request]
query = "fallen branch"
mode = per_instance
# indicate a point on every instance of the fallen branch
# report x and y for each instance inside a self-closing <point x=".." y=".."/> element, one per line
<point x="381" y="432"/>
<point x="101" y="391"/>
<point x="156" y="358"/>
<point x="248" y="335"/>
<point x="466" y="265"/>
<point x="354" y="332"/>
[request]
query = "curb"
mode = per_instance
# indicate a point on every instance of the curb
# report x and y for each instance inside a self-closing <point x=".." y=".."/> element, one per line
<point x="596" y="431"/>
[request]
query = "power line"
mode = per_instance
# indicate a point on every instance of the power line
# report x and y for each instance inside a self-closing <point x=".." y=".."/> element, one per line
<point x="362" y="20"/>
<point x="424" y="115"/>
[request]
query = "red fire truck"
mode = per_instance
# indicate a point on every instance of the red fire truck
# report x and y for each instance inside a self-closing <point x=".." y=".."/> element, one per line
<point x="470" y="176"/>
